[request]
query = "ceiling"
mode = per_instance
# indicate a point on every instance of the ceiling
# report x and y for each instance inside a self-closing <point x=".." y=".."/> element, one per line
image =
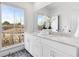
<point x="19" y="4"/>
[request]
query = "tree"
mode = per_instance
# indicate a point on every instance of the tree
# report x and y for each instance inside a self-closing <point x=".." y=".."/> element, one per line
<point x="18" y="23"/>
<point x="6" y="23"/>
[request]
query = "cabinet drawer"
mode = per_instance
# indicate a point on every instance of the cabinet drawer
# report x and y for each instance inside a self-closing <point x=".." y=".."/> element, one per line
<point x="47" y="51"/>
<point x="60" y="54"/>
<point x="69" y="50"/>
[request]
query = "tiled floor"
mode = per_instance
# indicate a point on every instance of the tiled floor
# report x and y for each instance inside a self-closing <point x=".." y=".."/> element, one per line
<point x="21" y="53"/>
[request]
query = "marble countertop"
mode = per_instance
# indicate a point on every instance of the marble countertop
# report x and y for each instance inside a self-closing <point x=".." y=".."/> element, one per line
<point x="61" y="38"/>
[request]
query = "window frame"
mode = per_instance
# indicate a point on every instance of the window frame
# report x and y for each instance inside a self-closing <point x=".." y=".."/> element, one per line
<point x="14" y="24"/>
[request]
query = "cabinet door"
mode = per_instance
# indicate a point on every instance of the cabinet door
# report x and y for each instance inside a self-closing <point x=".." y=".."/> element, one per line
<point x="35" y="46"/>
<point x="32" y="38"/>
<point x="60" y="54"/>
<point x="27" y="42"/>
<point x="47" y="51"/>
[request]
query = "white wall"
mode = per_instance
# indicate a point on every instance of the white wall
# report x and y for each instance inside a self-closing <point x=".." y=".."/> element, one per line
<point x="68" y="14"/>
<point x="29" y="18"/>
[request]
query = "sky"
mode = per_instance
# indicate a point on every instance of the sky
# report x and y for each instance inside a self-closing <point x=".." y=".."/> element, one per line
<point x="10" y="13"/>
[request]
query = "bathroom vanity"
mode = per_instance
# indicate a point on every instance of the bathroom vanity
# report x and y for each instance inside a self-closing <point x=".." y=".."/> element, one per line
<point x="55" y="45"/>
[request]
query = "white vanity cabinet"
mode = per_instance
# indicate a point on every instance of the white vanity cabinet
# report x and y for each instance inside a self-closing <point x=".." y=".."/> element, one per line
<point x="40" y="46"/>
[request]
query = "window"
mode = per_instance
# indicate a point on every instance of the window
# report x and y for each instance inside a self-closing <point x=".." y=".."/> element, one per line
<point x="12" y="24"/>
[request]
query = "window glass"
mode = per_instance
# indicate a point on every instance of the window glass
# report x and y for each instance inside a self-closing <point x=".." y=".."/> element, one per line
<point x="12" y="24"/>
